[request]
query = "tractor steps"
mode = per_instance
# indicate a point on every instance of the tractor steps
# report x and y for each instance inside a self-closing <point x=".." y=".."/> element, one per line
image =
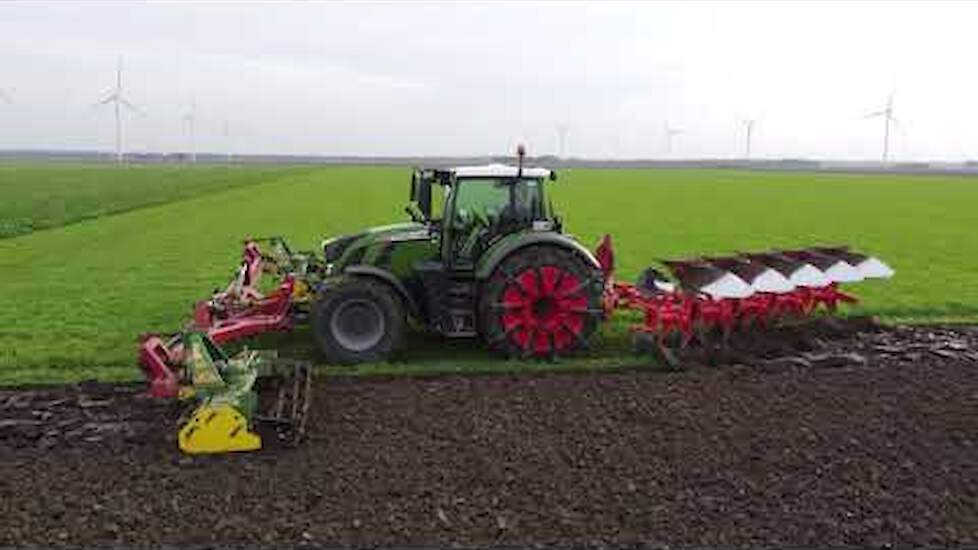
<point x="450" y="299"/>
<point x="461" y="304"/>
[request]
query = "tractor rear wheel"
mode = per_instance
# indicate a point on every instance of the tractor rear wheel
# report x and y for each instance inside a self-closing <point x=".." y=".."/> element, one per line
<point x="541" y="301"/>
<point x="358" y="321"/>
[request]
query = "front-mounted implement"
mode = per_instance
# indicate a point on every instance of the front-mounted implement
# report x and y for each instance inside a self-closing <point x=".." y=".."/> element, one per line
<point x="489" y="259"/>
<point x="232" y="397"/>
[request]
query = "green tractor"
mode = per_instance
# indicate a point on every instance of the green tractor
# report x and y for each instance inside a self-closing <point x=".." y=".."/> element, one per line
<point x="494" y="263"/>
<point x="487" y="259"/>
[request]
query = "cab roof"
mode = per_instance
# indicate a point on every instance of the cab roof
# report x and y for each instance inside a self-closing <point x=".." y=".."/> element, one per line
<point x="499" y="171"/>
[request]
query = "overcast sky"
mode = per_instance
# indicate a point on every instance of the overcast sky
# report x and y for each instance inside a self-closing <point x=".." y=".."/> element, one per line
<point x="445" y="79"/>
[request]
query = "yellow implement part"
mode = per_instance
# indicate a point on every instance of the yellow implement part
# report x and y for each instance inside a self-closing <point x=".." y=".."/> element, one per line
<point x="300" y="291"/>
<point x="217" y="429"/>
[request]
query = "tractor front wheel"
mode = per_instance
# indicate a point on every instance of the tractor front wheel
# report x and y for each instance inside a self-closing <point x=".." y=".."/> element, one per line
<point x="358" y="321"/>
<point x="542" y="301"/>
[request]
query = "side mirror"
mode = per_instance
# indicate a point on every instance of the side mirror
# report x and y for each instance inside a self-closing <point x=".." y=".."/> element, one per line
<point x="424" y="198"/>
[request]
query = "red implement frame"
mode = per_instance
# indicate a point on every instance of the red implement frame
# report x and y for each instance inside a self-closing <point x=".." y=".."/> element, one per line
<point x="238" y="312"/>
<point x="683" y="314"/>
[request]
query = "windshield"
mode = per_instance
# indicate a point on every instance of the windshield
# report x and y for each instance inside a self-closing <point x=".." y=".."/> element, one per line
<point x="484" y="199"/>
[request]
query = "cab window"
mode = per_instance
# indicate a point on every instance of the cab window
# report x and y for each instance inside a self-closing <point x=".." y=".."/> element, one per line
<point x="483" y="200"/>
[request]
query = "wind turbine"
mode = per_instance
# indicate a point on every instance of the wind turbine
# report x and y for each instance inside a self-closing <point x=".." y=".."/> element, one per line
<point x="118" y="102"/>
<point x="888" y="118"/>
<point x="190" y="120"/>
<point x="670" y="134"/>
<point x="227" y="139"/>
<point x="749" y="125"/>
<point x="562" y="140"/>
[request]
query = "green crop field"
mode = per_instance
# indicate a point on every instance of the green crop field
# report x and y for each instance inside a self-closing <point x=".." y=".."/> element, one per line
<point x="42" y="196"/>
<point x="74" y="298"/>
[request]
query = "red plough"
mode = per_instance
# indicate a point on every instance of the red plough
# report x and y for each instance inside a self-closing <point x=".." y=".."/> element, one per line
<point x="714" y="296"/>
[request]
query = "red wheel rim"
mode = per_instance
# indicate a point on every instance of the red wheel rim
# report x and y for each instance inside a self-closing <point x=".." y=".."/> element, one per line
<point x="544" y="310"/>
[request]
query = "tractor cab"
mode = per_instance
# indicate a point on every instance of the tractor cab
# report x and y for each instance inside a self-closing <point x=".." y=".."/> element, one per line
<point x="481" y="204"/>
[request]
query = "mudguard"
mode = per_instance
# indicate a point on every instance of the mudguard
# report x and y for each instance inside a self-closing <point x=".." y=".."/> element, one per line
<point x="362" y="270"/>
<point x="507" y="245"/>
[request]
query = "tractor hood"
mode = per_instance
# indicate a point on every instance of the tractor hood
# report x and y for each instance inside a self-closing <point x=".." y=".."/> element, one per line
<point x="342" y="246"/>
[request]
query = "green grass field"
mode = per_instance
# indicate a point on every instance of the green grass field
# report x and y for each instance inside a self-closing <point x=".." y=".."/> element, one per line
<point x="76" y="297"/>
<point x="43" y="196"/>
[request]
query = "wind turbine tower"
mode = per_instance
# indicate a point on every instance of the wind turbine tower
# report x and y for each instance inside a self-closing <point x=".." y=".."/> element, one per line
<point x="118" y="102"/>
<point x="562" y="141"/>
<point x="190" y="120"/>
<point x="887" y="114"/>
<point x="670" y="135"/>
<point x="749" y="125"/>
<point x="227" y="139"/>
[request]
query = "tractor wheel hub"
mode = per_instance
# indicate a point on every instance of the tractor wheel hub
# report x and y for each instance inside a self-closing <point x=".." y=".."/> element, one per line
<point x="543" y="308"/>
<point x="357" y="325"/>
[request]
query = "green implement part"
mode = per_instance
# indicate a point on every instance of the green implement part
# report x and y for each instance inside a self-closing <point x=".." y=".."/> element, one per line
<point x="226" y="398"/>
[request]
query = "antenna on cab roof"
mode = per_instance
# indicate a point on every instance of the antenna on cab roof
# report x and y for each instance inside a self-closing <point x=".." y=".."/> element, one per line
<point x="520" y="153"/>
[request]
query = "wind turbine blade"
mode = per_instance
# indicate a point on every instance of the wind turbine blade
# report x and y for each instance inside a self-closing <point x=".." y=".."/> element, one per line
<point x="876" y="114"/>
<point x="130" y="106"/>
<point x="5" y="97"/>
<point x="111" y="98"/>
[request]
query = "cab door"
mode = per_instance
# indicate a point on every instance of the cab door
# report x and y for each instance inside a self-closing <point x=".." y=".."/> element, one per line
<point x="473" y="213"/>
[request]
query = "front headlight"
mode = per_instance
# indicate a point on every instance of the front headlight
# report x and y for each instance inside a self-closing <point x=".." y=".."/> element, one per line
<point x="334" y="248"/>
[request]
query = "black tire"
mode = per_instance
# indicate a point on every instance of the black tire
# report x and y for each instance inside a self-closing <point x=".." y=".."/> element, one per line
<point x="549" y="338"/>
<point x="358" y="320"/>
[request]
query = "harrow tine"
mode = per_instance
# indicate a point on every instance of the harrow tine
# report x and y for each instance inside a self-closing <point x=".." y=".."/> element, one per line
<point x="868" y="267"/>
<point x="293" y="388"/>
<point x="280" y="398"/>
<point x="669" y="354"/>
<point x="702" y="277"/>
<point x="297" y="382"/>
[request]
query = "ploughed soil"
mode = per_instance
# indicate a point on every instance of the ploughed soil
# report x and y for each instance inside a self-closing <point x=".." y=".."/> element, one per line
<point x="838" y="432"/>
